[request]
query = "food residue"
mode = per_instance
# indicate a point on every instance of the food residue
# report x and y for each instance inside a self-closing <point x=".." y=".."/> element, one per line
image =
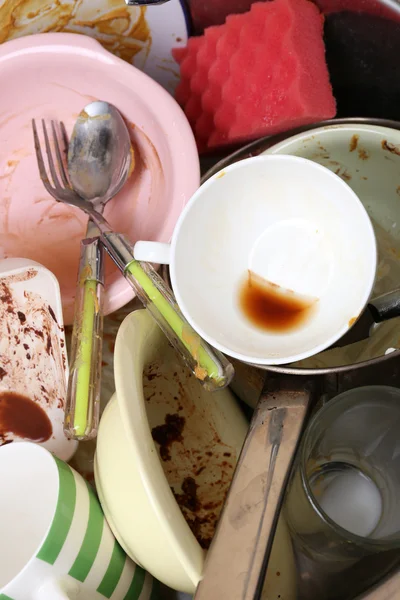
<point x="390" y="147"/>
<point x="353" y="142"/>
<point x="344" y="174"/>
<point x="120" y="29"/>
<point x="363" y="154"/>
<point x="273" y="308"/>
<point x="23" y="418"/>
<point x="168" y="433"/>
<point x="198" y="465"/>
<point x="32" y="362"/>
<point x="188" y="499"/>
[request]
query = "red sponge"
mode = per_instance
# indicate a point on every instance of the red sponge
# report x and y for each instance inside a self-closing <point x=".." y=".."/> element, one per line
<point x="260" y="73"/>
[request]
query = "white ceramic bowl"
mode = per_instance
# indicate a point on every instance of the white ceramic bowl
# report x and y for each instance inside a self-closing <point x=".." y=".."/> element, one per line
<point x="134" y="484"/>
<point x="293" y="223"/>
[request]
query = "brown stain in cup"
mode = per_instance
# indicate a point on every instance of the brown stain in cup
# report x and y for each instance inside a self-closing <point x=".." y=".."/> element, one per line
<point x="23" y="418"/>
<point x="273" y="308"/>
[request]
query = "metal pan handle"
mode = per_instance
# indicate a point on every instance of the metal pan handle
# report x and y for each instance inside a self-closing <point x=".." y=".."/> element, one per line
<point x="237" y="560"/>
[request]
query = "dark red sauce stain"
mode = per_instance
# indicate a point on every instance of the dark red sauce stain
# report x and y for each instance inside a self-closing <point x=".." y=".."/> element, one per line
<point x="22" y="417"/>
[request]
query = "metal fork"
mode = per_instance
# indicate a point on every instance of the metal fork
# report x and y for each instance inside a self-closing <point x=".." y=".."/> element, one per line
<point x="207" y="364"/>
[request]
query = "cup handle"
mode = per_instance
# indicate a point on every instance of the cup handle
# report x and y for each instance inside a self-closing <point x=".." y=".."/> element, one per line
<point x="54" y="589"/>
<point x="153" y="252"/>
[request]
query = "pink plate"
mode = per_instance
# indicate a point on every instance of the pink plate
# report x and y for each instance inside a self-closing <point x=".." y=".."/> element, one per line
<point x="53" y="76"/>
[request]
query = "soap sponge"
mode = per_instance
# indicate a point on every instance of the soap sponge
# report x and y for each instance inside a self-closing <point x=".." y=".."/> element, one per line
<point x="260" y="73"/>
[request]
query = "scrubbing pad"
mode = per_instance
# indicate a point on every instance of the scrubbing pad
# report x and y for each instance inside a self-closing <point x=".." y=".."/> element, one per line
<point x="260" y="73"/>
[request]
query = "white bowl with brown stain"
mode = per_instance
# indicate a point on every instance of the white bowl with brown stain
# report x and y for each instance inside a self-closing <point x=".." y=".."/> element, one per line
<point x="33" y="359"/>
<point x="166" y="453"/>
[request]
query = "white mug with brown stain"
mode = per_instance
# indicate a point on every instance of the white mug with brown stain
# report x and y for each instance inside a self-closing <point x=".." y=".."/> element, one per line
<point x="272" y="260"/>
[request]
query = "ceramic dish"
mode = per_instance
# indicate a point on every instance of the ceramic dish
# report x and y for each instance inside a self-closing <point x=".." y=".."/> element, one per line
<point x="33" y="361"/>
<point x="63" y="72"/>
<point x="369" y="163"/>
<point x="143" y="36"/>
<point x="135" y="475"/>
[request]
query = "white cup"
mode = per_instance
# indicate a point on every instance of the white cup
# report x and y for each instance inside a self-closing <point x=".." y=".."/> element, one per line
<point x="293" y="223"/>
<point x="55" y="543"/>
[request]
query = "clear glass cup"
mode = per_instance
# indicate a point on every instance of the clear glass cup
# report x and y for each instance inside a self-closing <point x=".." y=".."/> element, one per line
<point x="343" y="500"/>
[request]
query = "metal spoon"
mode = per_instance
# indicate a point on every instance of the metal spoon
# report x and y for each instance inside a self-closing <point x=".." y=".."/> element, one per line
<point x="100" y="159"/>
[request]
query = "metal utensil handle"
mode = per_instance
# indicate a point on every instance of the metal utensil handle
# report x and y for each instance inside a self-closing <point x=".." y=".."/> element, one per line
<point x="385" y="307"/>
<point x="83" y="394"/>
<point x="237" y="560"/>
<point x="209" y="366"/>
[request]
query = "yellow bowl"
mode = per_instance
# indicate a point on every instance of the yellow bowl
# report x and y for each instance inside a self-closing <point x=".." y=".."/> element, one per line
<point x="134" y="475"/>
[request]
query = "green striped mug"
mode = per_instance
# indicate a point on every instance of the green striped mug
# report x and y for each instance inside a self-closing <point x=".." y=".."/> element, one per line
<point x="55" y="543"/>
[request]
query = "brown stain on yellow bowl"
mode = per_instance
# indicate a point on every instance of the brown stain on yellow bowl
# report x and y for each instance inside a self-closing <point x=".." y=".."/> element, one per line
<point x="197" y="461"/>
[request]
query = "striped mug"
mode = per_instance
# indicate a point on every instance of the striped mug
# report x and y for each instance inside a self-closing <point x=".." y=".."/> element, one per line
<point x="55" y="543"/>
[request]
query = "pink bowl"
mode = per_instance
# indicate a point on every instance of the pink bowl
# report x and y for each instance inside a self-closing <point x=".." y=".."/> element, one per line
<point x="53" y="76"/>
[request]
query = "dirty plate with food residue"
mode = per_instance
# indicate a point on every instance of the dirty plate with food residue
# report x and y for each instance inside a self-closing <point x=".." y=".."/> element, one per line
<point x="165" y="458"/>
<point x="33" y="362"/>
<point x="75" y="70"/>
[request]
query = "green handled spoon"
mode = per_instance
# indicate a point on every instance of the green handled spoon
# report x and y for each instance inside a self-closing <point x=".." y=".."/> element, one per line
<point x="207" y="364"/>
<point x="100" y="160"/>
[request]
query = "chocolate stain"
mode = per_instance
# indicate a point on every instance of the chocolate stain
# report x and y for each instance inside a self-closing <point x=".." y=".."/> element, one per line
<point x="21" y="316"/>
<point x="188" y="499"/>
<point x="27" y="330"/>
<point x="165" y="435"/>
<point x="24" y="418"/>
<point x="198" y="475"/>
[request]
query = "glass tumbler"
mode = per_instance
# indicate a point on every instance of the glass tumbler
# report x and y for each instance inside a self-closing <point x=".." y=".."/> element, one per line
<point x="343" y="500"/>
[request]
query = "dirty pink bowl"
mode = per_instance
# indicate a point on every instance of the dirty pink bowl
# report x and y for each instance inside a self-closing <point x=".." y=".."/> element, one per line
<point x="53" y="76"/>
